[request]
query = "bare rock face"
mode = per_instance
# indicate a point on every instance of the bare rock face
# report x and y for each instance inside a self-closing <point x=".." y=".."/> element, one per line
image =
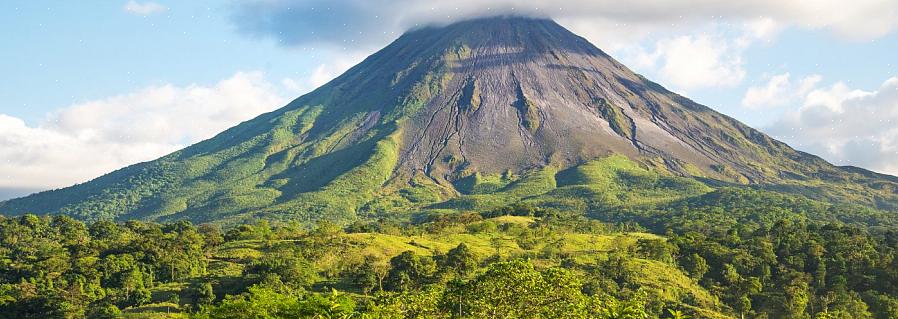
<point x="521" y="93"/>
<point x="495" y="96"/>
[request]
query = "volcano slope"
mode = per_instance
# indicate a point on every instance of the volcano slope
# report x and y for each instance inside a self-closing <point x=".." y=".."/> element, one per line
<point x="474" y="115"/>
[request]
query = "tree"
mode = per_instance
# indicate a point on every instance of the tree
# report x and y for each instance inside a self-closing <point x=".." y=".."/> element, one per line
<point x="426" y="303"/>
<point x="178" y="248"/>
<point x="603" y="306"/>
<point x="104" y="311"/>
<point x="204" y="295"/>
<point x="332" y="305"/>
<point x="516" y="289"/>
<point x="676" y="314"/>
<point x="460" y="260"/>
<point x="850" y="305"/>
<point x="370" y="274"/>
<point x="212" y="236"/>
<point x="696" y="266"/>
<point x="409" y="271"/>
<point x="656" y="249"/>
<point x="260" y="302"/>
<point x="287" y="264"/>
<point x="140" y="297"/>
<point x="70" y="232"/>
<point x="742" y="305"/>
<point x="796" y="298"/>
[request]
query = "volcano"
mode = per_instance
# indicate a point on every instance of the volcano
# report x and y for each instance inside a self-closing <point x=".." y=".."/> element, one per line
<point x="472" y="115"/>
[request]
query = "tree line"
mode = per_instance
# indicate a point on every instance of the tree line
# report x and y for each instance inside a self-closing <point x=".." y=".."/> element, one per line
<point x="769" y="262"/>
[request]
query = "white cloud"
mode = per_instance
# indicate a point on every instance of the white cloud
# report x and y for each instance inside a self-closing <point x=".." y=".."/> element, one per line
<point x="764" y="29"/>
<point x="326" y="72"/>
<point x="779" y="91"/>
<point x="294" y="85"/>
<point x="833" y="98"/>
<point x="688" y="44"/>
<point x="690" y="62"/>
<point x="774" y="93"/>
<point x="323" y="73"/>
<point x="710" y="56"/>
<point x="359" y="21"/>
<point x="85" y="140"/>
<point x="145" y="8"/>
<point x="847" y="126"/>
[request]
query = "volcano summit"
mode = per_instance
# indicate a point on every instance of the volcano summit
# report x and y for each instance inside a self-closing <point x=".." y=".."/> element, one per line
<point x="474" y="115"/>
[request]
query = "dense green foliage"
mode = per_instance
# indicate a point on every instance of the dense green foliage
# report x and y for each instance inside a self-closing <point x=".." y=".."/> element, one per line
<point x="519" y="261"/>
<point x="547" y="244"/>
<point x="59" y="267"/>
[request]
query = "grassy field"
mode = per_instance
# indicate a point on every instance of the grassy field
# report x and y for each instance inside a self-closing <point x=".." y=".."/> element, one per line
<point x="490" y="239"/>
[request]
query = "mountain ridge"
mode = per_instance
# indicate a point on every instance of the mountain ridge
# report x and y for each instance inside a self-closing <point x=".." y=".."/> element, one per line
<point x="499" y="98"/>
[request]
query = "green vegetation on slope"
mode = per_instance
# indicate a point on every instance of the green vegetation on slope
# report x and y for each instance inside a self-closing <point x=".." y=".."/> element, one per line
<point x="619" y="122"/>
<point x="323" y="156"/>
<point x="139" y="270"/>
<point x="521" y="261"/>
<point x="339" y="198"/>
<point x="533" y="183"/>
<point x="604" y="183"/>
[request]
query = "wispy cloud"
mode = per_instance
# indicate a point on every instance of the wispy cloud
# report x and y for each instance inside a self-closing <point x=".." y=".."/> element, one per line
<point x="694" y="61"/>
<point x="846" y="126"/>
<point x="321" y="74"/>
<point x="83" y="141"/>
<point x="361" y="22"/>
<point x="144" y="8"/>
<point x="690" y="44"/>
<point x="779" y="90"/>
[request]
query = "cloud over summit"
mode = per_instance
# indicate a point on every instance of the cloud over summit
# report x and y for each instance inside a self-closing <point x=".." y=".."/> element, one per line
<point x="369" y="22"/>
<point x="686" y="45"/>
<point x="144" y="8"/>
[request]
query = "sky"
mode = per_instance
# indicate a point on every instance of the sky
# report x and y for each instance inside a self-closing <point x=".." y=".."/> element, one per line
<point x="92" y="86"/>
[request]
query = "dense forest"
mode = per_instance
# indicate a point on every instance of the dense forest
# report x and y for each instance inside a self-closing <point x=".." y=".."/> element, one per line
<point x="759" y="255"/>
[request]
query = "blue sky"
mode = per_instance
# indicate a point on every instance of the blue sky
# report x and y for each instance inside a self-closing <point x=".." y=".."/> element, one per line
<point x="63" y="52"/>
<point x="90" y="86"/>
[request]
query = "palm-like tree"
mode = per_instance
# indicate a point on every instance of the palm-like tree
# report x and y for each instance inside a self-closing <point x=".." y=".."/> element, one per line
<point x="676" y="314"/>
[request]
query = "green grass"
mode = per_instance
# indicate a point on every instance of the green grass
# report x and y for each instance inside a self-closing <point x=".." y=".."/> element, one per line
<point x="518" y="220"/>
<point x="616" y="180"/>
<point x="493" y="239"/>
<point x="340" y="198"/>
<point x="534" y="183"/>
<point x="478" y="183"/>
<point x="164" y="310"/>
<point x="599" y="184"/>
<point x="669" y="283"/>
<point x="662" y="281"/>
